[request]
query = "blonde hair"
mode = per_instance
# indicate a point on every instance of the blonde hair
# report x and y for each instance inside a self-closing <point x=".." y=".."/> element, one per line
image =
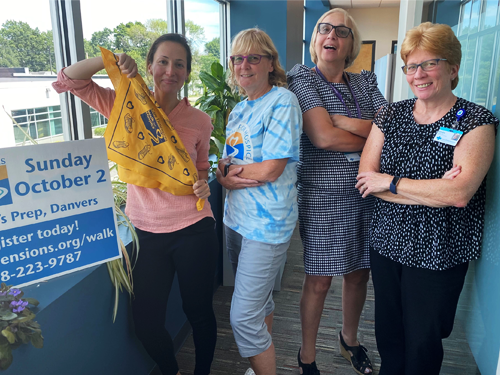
<point x="356" y="37"/>
<point x="255" y="38"/>
<point x="434" y="38"/>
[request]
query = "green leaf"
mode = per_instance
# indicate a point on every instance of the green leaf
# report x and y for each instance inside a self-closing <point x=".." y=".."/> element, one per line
<point x="23" y="337"/>
<point x="31" y="301"/>
<point x="214" y="149"/>
<point x="217" y="70"/>
<point x="221" y="139"/>
<point x="37" y="341"/>
<point x="5" y="356"/>
<point x="219" y="122"/>
<point x="7" y="315"/>
<point x="211" y="82"/>
<point x="24" y="319"/>
<point x="9" y="335"/>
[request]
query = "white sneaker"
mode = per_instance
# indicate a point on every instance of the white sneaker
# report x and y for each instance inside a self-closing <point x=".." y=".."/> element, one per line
<point x="249" y="372"/>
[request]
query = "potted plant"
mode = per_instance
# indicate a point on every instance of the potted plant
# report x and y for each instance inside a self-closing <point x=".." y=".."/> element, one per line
<point x="217" y="101"/>
<point x="17" y="326"/>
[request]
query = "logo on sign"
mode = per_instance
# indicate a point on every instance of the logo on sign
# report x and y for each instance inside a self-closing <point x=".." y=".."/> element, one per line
<point x="5" y="196"/>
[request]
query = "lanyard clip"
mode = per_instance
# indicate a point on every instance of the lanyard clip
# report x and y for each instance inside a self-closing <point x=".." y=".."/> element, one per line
<point x="460" y="113"/>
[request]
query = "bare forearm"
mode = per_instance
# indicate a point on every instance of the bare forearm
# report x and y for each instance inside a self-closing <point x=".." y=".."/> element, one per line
<point x="84" y="69"/>
<point x="203" y="175"/>
<point x="435" y="193"/>
<point x="267" y="171"/>
<point x="339" y="140"/>
<point x="395" y="198"/>
<point x="355" y="126"/>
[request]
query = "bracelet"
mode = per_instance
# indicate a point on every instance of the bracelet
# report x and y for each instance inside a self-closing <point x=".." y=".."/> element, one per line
<point x="226" y="168"/>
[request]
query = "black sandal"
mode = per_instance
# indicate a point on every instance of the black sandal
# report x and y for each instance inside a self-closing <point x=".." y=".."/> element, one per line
<point x="307" y="368"/>
<point x="359" y="360"/>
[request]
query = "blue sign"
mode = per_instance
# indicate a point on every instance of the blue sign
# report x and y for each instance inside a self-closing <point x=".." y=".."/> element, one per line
<point x="56" y="210"/>
<point x="54" y="247"/>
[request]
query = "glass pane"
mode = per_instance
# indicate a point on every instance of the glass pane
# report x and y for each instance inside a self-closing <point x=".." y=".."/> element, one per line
<point x="468" y="68"/>
<point x="55" y="114"/>
<point x="41" y="110"/>
<point x="465" y="21"/>
<point x="458" y="90"/>
<point x="56" y="126"/>
<point x="26" y="41"/>
<point x="483" y="71"/>
<point x="474" y="18"/>
<point x="43" y="129"/>
<point x="43" y="116"/>
<point x="202" y="31"/>
<point x="118" y="30"/>
<point x="104" y="120"/>
<point x="19" y="112"/>
<point x="18" y="134"/>
<point x="20" y="120"/>
<point x="494" y="102"/>
<point x="489" y="14"/>
<point x="32" y="132"/>
<point x="55" y="108"/>
<point x="94" y="118"/>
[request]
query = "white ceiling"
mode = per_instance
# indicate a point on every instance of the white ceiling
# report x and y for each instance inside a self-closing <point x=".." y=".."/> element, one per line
<point x="346" y="4"/>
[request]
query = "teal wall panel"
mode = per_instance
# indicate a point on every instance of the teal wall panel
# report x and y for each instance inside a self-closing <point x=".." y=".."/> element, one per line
<point x="269" y="16"/>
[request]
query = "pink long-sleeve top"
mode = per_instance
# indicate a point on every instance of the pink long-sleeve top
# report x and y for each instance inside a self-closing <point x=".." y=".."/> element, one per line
<point x="154" y="210"/>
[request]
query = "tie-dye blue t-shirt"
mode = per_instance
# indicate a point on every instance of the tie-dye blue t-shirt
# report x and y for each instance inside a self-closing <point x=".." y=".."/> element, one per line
<point x="265" y="129"/>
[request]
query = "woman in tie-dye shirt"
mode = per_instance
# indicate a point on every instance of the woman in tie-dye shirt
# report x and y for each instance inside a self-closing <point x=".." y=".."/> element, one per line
<point x="259" y="171"/>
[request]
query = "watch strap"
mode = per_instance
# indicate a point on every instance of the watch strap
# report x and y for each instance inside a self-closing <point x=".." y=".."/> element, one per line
<point x="226" y="168"/>
<point x="394" y="184"/>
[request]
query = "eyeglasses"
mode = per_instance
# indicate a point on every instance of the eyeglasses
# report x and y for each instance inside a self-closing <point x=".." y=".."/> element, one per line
<point x="426" y="66"/>
<point x="253" y="59"/>
<point x="340" y="31"/>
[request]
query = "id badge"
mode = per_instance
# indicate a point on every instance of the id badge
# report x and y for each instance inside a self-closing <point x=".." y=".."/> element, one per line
<point x="448" y="136"/>
<point x="352" y="156"/>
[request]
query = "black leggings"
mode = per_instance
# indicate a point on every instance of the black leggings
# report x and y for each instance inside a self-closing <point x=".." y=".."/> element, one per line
<point x="414" y="310"/>
<point x="192" y="253"/>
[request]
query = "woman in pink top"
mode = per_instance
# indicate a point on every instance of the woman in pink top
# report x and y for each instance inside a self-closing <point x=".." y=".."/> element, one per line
<point x="173" y="235"/>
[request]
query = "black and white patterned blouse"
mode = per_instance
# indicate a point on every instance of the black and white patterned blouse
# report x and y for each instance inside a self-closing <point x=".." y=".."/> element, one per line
<point x="417" y="235"/>
<point x="324" y="169"/>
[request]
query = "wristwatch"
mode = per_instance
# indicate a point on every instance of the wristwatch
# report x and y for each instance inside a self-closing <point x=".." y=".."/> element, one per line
<point x="226" y="168"/>
<point x="394" y="184"/>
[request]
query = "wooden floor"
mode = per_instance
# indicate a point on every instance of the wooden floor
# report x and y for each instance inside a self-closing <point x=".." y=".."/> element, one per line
<point x="458" y="359"/>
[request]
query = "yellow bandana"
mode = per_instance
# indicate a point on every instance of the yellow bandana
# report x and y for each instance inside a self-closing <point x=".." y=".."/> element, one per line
<point x="142" y="141"/>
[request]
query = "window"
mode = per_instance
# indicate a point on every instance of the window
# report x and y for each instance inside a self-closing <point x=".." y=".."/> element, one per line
<point x="203" y="32"/>
<point x="44" y="124"/>
<point x="27" y="67"/>
<point x="479" y="34"/>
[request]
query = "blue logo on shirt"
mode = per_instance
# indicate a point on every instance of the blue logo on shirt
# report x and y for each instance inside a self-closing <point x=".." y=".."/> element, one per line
<point x="235" y="146"/>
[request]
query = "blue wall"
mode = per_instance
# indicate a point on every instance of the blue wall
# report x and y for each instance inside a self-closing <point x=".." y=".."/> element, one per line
<point x="269" y="16"/>
<point x="314" y="10"/>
